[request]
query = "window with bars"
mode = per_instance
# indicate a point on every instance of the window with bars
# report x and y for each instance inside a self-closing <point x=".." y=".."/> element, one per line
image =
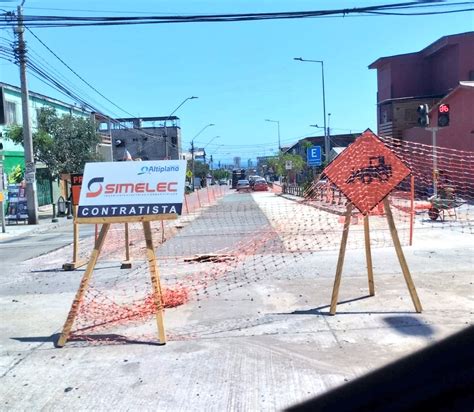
<point x="11" y="113"/>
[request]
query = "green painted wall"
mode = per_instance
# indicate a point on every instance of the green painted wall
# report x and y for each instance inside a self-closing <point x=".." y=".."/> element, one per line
<point x="12" y="159"/>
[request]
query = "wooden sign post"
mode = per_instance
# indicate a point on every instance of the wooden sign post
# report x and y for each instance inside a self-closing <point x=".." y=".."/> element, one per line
<point x="76" y="183"/>
<point x="127" y="263"/>
<point x="366" y="172"/>
<point x="124" y="193"/>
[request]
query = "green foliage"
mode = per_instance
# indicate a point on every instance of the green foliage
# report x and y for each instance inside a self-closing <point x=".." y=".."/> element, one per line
<point x="16" y="175"/>
<point x="305" y="144"/>
<point x="220" y="174"/>
<point x="278" y="164"/>
<point x="64" y="144"/>
<point x="200" y="169"/>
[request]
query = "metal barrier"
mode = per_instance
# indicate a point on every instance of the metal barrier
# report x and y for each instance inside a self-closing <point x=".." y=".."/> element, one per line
<point x="294" y="190"/>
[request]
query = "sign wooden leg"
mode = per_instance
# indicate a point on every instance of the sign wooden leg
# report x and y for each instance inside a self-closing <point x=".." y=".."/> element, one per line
<point x="126" y="264"/>
<point x="155" y="281"/>
<point x="368" y="256"/>
<point x="76" y="263"/>
<point x="401" y="257"/>
<point x="75" y="249"/>
<point x="340" y="261"/>
<point x="83" y="286"/>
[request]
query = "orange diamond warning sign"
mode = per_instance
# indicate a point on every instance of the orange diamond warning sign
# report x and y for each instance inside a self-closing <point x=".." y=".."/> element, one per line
<point x="366" y="172"/>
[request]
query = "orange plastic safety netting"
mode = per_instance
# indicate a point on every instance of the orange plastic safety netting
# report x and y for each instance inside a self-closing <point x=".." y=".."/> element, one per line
<point x="226" y="240"/>
<point x="443" y="183"/>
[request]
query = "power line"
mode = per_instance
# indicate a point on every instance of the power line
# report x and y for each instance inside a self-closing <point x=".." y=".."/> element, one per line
<point x="41" y="73"/>
<point x="75" y="21"/>
<point x="77" y="75"/>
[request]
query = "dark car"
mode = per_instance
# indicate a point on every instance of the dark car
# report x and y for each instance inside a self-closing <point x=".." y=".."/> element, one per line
<point x="253" y="179"/>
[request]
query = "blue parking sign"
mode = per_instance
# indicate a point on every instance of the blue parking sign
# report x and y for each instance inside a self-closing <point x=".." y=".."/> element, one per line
<point x="313" y="156"/>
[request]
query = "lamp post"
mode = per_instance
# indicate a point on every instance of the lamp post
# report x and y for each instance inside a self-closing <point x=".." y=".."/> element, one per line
<point x="326" y="138"/>
<point x="192" y="150"/>
<point x="169" y="117"/>
<point x="278" y="124"/>
<point x="207" y="144"/>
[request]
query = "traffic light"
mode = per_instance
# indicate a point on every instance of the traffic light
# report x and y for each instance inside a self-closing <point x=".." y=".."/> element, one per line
<point x="443" y="115"/>
<point x="423" y="118"/>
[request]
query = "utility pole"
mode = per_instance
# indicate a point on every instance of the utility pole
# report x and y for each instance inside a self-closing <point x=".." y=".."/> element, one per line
<point x="192" y="164"/>
<point x="434" y="131"/>
<point x="30" y="168"/>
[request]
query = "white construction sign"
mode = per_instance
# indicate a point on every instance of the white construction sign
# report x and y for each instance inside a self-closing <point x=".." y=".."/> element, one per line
<point x="132" y="188"/>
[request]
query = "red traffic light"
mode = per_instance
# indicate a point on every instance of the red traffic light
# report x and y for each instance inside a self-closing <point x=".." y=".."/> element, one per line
<point x="443" y="108"/>
<point x="443" y="115"/>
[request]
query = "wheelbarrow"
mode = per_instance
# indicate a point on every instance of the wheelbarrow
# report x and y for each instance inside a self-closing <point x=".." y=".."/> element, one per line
<point x="440" y="205"/>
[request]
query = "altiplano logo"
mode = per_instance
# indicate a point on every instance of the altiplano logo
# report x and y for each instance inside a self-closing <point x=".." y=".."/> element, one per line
<point x="157" y="169"/>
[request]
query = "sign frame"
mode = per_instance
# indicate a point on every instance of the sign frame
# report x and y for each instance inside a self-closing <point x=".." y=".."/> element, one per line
<point x="106" y="221"/>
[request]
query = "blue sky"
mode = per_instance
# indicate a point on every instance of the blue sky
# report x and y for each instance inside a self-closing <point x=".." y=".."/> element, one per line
<point x="242" y="72"/>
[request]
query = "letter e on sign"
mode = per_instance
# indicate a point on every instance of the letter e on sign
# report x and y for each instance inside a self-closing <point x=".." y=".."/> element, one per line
<point x="366" y="172"/>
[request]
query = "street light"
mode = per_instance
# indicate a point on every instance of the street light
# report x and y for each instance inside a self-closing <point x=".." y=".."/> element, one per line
<point x="169" y="117"/>
<point x="210" y="141"/>
<point x="326" y="138"/>
<point x="278" y="123"/>
<point x="192" y="150"/>
<point x="207" y="144"/>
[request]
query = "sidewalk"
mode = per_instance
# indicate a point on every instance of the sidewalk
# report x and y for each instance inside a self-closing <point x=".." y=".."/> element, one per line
<point x="45" y="214"/>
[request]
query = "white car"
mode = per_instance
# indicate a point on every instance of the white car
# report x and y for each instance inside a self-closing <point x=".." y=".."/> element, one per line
<point x="243" y="185"/>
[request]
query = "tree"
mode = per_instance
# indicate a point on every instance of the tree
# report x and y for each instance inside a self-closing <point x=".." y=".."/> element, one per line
<point x="278" y="164"/>
<point x="64" y="144"/>
<point x="201" y="169"/>
<point x="220" y="174"/>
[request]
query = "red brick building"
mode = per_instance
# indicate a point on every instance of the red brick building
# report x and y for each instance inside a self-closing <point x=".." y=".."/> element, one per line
<point x="443" y="72"/>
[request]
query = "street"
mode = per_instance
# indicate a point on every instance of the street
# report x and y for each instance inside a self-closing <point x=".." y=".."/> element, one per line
<point x="19" y="249"/>
<point x="254" y="332"/>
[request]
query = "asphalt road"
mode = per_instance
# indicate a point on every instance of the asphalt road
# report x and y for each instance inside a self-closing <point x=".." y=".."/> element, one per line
<point x="256" y="332"/>
<point x="18" y="249"/>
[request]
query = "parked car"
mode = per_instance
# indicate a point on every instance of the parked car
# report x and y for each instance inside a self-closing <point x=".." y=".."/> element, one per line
<point x="260" y="185"/>
<point x="222" y="182"/>
<point x="243" y="185"/>
<point x="253" y="179"/>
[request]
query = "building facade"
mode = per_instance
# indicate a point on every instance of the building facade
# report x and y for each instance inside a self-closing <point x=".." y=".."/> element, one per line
<point x="12" y="155"/>
<point x="338" y="140"/>
<point x="146" y="138"/>
<point x="443" y="72"/>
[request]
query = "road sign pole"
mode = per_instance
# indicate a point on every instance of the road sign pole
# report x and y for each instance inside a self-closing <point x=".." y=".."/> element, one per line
<point x="434" y="131"/>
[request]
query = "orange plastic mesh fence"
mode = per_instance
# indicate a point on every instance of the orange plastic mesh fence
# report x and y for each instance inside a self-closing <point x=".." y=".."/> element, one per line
<point x="225" y="240"/>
